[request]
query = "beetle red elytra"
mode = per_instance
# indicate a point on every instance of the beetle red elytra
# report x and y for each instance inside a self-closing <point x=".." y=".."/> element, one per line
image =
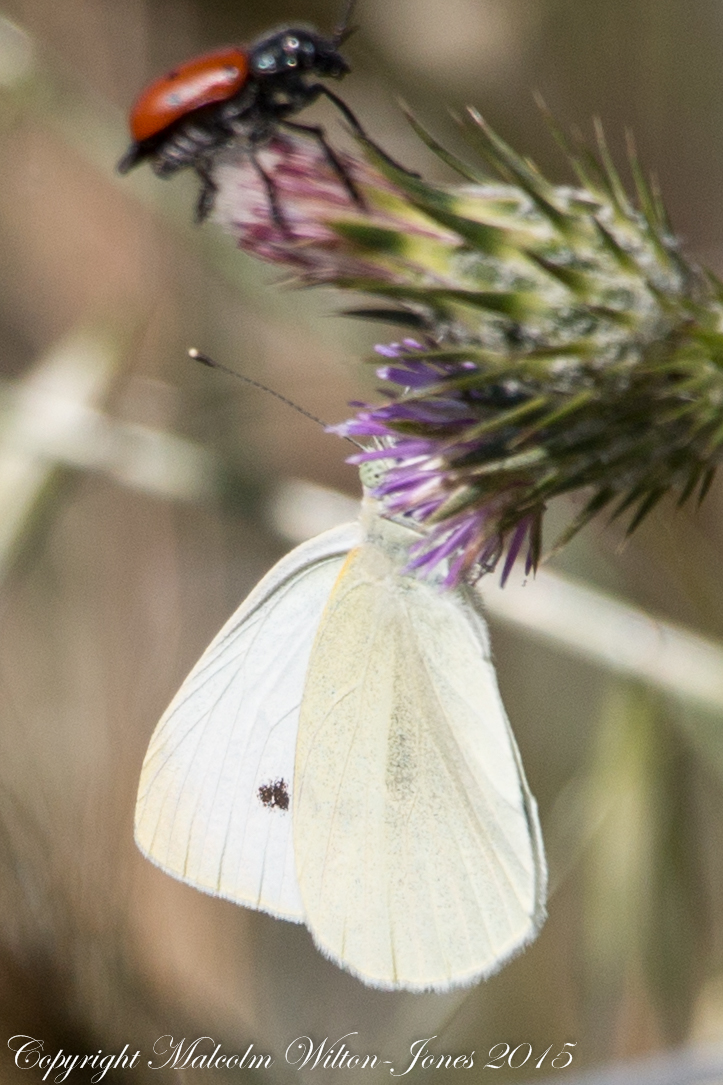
<point x="184" y="118"/>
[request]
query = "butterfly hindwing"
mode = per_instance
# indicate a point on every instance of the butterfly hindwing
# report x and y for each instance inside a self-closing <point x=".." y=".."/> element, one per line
<point x="214" y="802"/>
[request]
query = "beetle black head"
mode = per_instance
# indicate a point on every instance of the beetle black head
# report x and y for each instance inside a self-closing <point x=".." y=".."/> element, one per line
<point x="300" y="50"/>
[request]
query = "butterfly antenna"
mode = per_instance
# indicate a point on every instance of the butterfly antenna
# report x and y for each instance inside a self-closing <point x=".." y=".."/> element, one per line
<point x="344" y="30"/>
<point x="204" y="359"/>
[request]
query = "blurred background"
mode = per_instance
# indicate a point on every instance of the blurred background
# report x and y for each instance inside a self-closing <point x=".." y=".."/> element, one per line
<point x="141" y="496"/>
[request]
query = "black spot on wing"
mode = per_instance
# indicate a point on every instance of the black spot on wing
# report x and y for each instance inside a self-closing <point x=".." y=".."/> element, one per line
<point x="274" y="795"/>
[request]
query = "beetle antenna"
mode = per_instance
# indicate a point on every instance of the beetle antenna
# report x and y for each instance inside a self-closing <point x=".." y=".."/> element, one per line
<point x="344" y="30"/>
<point x="204" y="359"/>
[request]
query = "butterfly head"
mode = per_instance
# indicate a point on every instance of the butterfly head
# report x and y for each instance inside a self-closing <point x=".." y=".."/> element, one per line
<point x="372" y="473"/>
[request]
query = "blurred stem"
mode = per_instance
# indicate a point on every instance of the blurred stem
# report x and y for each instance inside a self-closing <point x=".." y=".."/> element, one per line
<point x="593" y="626"/>
<point x="645" y="915"/>
<point x="50" y="419"/>
<point x="49" y="401"/>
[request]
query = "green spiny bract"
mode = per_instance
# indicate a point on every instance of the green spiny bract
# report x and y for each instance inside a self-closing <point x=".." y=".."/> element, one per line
<point x="562" y="343"/>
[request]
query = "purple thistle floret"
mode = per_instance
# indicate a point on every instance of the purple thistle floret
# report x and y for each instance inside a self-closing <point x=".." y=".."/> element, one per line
<point x="421" y="482"/>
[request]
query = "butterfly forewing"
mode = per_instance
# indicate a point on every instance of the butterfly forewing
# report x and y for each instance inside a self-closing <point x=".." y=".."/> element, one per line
<point x="417" y="844"/>
<point x="215" y="791"/>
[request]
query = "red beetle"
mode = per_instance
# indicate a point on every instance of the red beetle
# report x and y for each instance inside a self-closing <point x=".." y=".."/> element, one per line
<point x="187" y="116"/>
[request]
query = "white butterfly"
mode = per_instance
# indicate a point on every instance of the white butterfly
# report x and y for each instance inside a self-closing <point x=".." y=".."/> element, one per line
<point x="340" y="756"/>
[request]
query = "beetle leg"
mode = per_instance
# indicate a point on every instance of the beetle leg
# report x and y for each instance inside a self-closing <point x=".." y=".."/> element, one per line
<point x="207" y="195"/>
<point x="356" y="125"/>
<point x="273" y="196"/>
<point x="133" y="157"/>
<point x="333" y="159"/>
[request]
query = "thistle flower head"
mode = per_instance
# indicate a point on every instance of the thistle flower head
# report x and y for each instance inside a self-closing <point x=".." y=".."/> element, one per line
<point x="415" y="486"/>
<point x="289" y="202"/>
<point x="562" y="343"/>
